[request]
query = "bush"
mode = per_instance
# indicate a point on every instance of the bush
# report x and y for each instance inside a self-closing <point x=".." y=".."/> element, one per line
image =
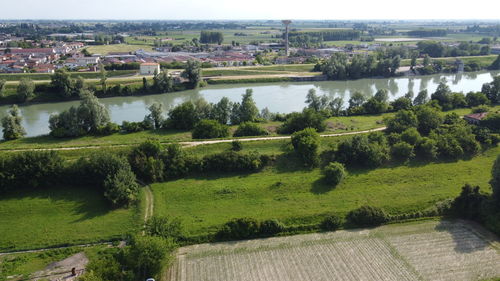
<point x="360" y="150"/>
<point x="367" y="216"/>
<point x="121" y="189"/>
<point x="133" y="127"/>
<point x="306" y="145"/>
<point x="495" y="179"/>
<point x="271" y="227"/>
<point x="164" y="227"/>
<point x="145" y="161"/>
<point x="468" y="204"/>
<point x="250" y="129"/>
<point x="238" y="229"/>
<point x="410" y="136"/>
<point x="236" y="145"/>
<point x="308" y="118"/>
<point x="209" y="129"/>
<point x="427" y="148"/>
<point x="401" y="121"/>
<point x="108" y="129"/>
<point x="231" y="161"/>
<point x="402" y="151"/>
<point x="334" y="173"/>
<point x="331" y="223"/>
<point x="148" y="255"/>
<point x="476" y="99"/>
<point x="30" y="169"/>
<point x="480" y="109"/>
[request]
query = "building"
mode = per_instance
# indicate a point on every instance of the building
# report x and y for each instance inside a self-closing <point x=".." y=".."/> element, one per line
<point x="149" y="68"/>
<point x="475" y="118"/>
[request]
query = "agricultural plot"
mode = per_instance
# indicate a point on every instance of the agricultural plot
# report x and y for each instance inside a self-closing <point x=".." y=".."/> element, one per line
<point x="419" y="251"/>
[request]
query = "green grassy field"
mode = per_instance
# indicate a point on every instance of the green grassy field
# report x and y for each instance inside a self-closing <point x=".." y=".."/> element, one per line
<point x="61" y="216"/>
<point x="46" y="76"/>
<point x="106" y="49"/>
<point x="297" y="196"/>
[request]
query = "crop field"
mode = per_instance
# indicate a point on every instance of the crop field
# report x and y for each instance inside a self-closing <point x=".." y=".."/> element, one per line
<point x="432" y="250"/>
<point x="106" y="49"/>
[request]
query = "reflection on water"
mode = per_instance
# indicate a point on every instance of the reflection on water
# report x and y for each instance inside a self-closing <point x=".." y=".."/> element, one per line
<point x="278" y="97"/>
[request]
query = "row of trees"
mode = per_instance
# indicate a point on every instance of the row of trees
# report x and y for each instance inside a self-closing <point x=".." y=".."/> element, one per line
<point x="211" y="37"/>
<point x="339" y="67"/>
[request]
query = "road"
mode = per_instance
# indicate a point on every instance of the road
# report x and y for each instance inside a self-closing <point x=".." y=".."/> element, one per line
<point x="195" y="143"/>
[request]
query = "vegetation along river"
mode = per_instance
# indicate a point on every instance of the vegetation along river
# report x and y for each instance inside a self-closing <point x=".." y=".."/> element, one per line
<point x="278" y="97"/>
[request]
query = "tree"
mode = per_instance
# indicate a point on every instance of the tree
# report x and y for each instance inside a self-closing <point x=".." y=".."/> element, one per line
<point x="331" y="223"/>
<point x="495" y="179"/>
<point x="402" y="151"/>
<point x="192" y="73"/>
<point x="2" y="86"/>
<point x="209" y="129"/>
<point x="492" y="90"/>
<point x="422" y="98"/>
<point x="92" y="113"/>
<point x="374" y="106"/>
<point x="147" y="255"/>
<point x="356" y="101"/>
<point x="221" y="111"/>
<point x="427" y="148"/>
<point x="443" y="95"/>
<point x="468" y="204"/>
<point x="306" y="145"/>
<point x="496" y="64"/>
<point x="395" y="63"/>
<point x="164" y="227"/>
<point x="11" y="123"/>
<point x="401" y="121"/>
<point x="427" y="60"/>
<point x="61" y="83"/>
<point x="334" y="173"/>
<point x="315" y="102"/>
<point x="104" y="77"/>
<point x="121" y="188"/>
<point x="183" y="116"/>
<point x="401" y="103"/>
<point x="248" y="109"/>
<point x="162" y="82"/>
<point x="308" y="118"/>
<point x="428" y="119"/>
<point x="476" y="99"/>
<point x="25" y="89"/>
<point x="411" y="136"/>
<point x="155" y="115"/>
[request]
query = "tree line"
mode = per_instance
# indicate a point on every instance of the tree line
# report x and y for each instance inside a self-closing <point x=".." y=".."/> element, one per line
<point x="211" y="37"/>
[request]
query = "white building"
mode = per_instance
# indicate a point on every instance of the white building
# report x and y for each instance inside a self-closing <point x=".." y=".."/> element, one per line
<point x="149" y="68"/>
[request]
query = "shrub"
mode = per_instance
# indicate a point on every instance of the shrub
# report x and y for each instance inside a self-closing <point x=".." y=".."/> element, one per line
<point x="236" y="145"/>
<point x="334" y="172"/>
<point x="306" y="144"/>
<point x="271" y="227"/>
<point x="121" y="189"/>
<point x="147" y="255"/>
<point x="402" y="151"/>
<point x="331" y="223"/>
<point x="145" y="161"/>
<point x="230" y="161"/>
<point x="237" y="229"/>
<point x="30" y="169"/>
<point x="401" y="121"/>
<point x="476" y="99"/>
<point x="308" y="118"/>
<point x="427" y="148"/>
<point x="359" y="150"/>
<point x="367" y="216"/>
<point x="164" y="227"/>
<point x="428" y="119"/>
<point x="133" y="127"/>
<point x="250" y="129"/>
<point x="410" y="136"/>
<point x="209" y="129"/>
<point x="468" y="204"/>
<point x="495" y="179"/>
<point x="480" y="109"/>
<point x="401" y="103"/>
<point x="108" y="129"/>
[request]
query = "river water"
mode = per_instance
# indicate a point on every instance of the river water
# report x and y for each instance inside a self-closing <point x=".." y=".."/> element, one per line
<point x="278" y="97"/>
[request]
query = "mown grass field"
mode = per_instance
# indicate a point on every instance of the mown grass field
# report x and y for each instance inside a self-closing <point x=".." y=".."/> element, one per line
<point x="431" y="250"/>
<point x="115" y="48"/>
<point x="61" y="216"/>
<point x="46" y="76"/>
<point x="299" y="196"/>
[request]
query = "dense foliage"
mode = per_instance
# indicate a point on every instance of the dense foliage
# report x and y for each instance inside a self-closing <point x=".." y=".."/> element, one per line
<point x="306" y="146"/>
<point x="367" y="216"/>
<point x="11" y="124"/>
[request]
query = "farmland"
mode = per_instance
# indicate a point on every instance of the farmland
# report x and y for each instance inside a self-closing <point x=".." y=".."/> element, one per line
<point x="432" y="250"/>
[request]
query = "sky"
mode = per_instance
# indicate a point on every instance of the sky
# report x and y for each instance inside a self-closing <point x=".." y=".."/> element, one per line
<point x="251" y="9"/>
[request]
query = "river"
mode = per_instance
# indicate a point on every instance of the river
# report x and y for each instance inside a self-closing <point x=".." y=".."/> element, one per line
<point x="282" y="97"/>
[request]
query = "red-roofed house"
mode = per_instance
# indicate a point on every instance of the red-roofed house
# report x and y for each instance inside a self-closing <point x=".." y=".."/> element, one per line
<point x="475" y="118"/>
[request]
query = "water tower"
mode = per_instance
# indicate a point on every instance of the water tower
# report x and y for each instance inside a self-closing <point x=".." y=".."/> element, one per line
<point x="286" y="23"/>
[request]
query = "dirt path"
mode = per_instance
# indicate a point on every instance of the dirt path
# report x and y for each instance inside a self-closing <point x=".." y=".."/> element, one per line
<point x="192" y="143"/>
<point x="148" y="213"/>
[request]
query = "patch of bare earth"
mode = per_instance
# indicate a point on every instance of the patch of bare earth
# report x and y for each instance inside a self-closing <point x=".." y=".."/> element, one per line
<point x="432" y="250"/>
<point x="62" y="270"/>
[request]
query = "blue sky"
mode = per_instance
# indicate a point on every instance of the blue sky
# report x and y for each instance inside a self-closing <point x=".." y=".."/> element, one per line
<point x="251" y="9"/>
